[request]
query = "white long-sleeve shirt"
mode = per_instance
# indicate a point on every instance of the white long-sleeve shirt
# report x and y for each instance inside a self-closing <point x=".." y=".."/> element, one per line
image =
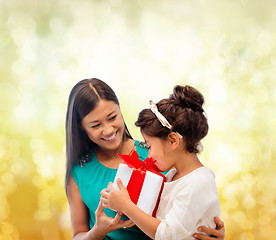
<point x="186" y="204"/>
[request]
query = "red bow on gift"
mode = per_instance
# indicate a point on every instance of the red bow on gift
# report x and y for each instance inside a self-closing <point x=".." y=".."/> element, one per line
<point x="136" y="180"/>
<point x="133" y="161"/>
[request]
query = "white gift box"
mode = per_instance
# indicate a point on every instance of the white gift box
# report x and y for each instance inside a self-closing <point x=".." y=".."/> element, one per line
<point x="151" y="189"/>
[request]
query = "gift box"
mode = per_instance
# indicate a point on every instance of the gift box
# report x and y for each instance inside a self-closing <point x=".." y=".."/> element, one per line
<point x="143" y="181"/>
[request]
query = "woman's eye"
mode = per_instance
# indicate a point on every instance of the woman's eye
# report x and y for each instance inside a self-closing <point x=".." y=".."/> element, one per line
<point x="112" y="118"/>
<point x="95" y="126"/>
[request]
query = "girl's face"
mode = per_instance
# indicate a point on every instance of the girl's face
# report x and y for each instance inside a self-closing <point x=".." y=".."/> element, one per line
<point x="104" y="125"/>
<point x="160" y="152"/>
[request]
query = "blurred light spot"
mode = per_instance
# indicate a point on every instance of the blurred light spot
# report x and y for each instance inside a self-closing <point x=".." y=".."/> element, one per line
<point x="232" y="204"/>
<point x="226" y="158"/>
<point x="22" y="113"/>
<point x="16" y="168"/>
<point x="273" y="61"/>
<point x="6" y="237"/>
<point x="22" y="20"/>
<point x="36" y="143"/>
<point x="20" y="68"/>
<point x="7" y="228"/>
<point x="247" y="236"/>
<point x="264" y="219"/>
<point x="217" y="93"/>
<point x="14" y="153"/>
<point x="261" y="183"/>
<point x="245" y="120"/>
<point x="229" y="191"/>
<point x="8" y="95"/>
<point x="2" y="152"/>
<point x="248" y="181"/>
<point x="264" y="42"/>
<point x="247" y="67"/>
<point x="64" y="221"/>
<point x="57" y="24"/>
<point x="43" y="215"/>
<point x="37" y="156"/>
<point x="53" y="118"/>
<point x="4" y="207"/>
<point x="7" y="178"/>
<point x="38" y="181"/>
<point x="116" y="3"/>
<point x="45" y="166"/>
<point x="43" y="198"/>
<point x="267" y="231"/>
<point x="239" y="217"/>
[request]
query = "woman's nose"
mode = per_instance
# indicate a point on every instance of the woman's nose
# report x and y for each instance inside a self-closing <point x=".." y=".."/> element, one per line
<point x="108" y="129"/>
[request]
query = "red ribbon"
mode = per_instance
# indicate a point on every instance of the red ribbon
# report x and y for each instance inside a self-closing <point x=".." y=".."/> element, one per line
<point x="137" y="178"/>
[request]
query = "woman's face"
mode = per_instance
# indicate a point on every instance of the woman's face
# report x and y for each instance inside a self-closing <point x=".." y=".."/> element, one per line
<point x="104" y="125"/>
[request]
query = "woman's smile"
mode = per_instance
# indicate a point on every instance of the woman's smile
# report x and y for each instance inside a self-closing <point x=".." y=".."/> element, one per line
<point x="111" y="138"/>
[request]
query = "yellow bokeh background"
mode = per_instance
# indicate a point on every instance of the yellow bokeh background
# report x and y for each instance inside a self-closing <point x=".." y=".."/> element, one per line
<point x="141" y="48"/>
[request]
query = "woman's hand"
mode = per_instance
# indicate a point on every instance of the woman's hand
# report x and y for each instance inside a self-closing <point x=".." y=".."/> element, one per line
<point x="218" y="233"/>
<point x="115" y="199"/>
<point x="105" y="224"/>
<point x="80" y="217"/>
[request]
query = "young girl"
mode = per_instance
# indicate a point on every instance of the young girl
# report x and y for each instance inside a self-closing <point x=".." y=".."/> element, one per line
<point x="95" y="133"/>
<point x="172" y="130"/>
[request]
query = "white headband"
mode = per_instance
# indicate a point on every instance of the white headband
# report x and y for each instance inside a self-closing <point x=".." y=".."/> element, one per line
<point x="160" y="117"/>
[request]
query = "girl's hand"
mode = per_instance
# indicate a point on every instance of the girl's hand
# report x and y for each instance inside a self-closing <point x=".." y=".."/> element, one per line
<point x="115" y="199"/>
<point x="105" y="224"/>
<point x="218" y="233"/>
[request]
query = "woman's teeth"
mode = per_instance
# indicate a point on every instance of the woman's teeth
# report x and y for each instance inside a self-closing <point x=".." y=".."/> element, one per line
<point x="110" y="138"/>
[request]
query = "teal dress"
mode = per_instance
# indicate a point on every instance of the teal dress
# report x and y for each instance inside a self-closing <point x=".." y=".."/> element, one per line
<point x="92" y="177"/>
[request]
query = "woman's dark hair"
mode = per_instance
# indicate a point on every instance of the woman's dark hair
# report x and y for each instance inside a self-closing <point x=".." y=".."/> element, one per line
<point x="83" y="98"/>
<point x="183" y="110"/>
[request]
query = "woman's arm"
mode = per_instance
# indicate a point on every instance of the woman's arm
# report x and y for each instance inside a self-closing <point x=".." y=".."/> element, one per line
<point x="80" y="217"/>
<point x="218" y="233"/>
<point x="119" y="200"/>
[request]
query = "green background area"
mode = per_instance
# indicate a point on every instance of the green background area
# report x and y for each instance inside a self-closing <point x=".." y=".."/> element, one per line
<point x="141" y="48"/>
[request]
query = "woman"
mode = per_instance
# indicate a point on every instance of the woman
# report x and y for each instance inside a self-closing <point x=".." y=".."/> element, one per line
<point x="95" y="133"/>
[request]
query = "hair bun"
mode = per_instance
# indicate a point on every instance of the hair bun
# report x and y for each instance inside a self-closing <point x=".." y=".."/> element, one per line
<point x="188" y="97"/>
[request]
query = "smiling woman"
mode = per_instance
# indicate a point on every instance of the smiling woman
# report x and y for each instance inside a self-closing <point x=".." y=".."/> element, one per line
<point x="95" y="133"/>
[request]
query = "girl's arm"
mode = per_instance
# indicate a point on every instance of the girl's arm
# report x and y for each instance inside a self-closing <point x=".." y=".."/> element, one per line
<point x="119" y="200"/>
<point x="80" y="217"/>
<point x="218" y="233"/>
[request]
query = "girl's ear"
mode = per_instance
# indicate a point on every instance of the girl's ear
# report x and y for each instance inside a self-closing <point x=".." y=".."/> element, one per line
<point x="173" y="139"/>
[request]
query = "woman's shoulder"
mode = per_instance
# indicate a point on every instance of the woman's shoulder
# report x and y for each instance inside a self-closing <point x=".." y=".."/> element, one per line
<point x="141" y="144"/>
<point x="83" y="161"/>
<point x="141" y="148"/>
<point x="85" y="158"/>
<point x="87" y="164"/>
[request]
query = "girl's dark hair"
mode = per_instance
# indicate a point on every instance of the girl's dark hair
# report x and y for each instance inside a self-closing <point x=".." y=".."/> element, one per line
<point x="183" y="110"/>
<point x="83" y="98"/>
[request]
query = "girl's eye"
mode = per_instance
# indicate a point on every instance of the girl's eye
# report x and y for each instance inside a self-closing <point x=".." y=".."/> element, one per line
<point x="112" y="118"/>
